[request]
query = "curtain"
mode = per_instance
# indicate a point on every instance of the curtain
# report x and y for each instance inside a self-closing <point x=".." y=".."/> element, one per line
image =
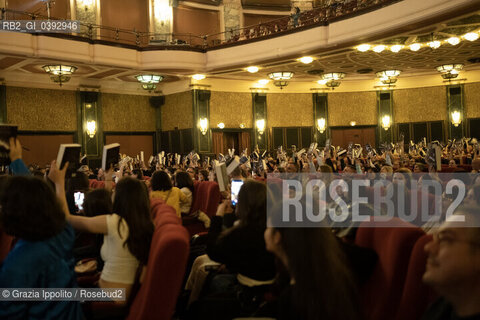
<point x="217" y="139"/>
<point x="244" y="142"/>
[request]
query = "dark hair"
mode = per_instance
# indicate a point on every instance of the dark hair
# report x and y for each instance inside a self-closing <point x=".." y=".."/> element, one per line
<point x="139" y="173"/>
<point x="324" y="286"/>
<point x="98" y="202"/>
<point x="161" y="181"/>
<point x="252" y="204"/>
<point x="204" y="174"/>
<point x="183" y="180"/>
<point x="132" y="204"/>
<point x="78" y="182"/>
<point x="30" y="209"/>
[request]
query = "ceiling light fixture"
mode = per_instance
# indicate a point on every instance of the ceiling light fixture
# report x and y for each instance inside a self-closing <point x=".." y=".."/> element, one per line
<point x="281" y="75"/>
<point x="379" y="48"/>
<point x="434" y="44"/>
<point x="149" y="78"/>
<point x="396" y="48"/>
<point x="149" y="86"/>
<point x="388" y="73"/>
<point x="415" y="46"/>
<point x="59" y="73"/>
<point x="363" y="47"/>
<point x="263" y="81"/>
<point x="198" y="77"/>
<point x="453" y="41"/>
<point x="471" y="36"/>
<point x="252" y="69"/>
<point x="306" y="60"/>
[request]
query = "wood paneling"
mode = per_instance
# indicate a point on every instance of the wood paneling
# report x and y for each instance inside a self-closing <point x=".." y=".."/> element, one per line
<point x="195" y="21"/>
<point x="42" y="148"/>
<point x="342" y="137"/>
<point x="60" y="9"/>
<point x="253" y="19"/>
<point x="131" y="145"/>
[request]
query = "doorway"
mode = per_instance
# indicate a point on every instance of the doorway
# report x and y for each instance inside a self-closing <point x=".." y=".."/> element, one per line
<point x="343" y="136"/>
<point x="224" y="140"/>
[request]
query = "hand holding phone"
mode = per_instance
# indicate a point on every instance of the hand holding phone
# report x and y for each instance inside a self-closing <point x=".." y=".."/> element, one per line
<point x="235" y="189"/>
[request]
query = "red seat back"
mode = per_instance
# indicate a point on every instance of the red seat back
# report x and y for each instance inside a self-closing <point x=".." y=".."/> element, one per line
<point x="416" y="295"/>
<point x="158" y="294"/>
<point x="206" y="197"/>
<point x="380" y="296"/>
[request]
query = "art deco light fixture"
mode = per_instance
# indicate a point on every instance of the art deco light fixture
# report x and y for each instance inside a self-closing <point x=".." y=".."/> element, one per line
<point x="386" y="122"/>
<point x="321" y="125"/>
<point x="332" y="79"/>
<point x="450" y="71"/>
<point x="203" y="125"/>
<point x="260" y="126"/>
<point x="388" y="77"/>
<point x="456" y="118"/>
<point x="280" y="78"/>
<point x="59" y="73"/>
<point x="91" y="128"/>
<point x="221" y="125"/>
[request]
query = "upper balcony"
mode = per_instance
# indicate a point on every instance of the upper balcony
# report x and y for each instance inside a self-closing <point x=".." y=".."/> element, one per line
<point x="109" y="57"/>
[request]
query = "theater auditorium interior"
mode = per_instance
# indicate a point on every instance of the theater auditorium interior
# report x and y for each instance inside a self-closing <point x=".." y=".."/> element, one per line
<point x="240" y="159"/>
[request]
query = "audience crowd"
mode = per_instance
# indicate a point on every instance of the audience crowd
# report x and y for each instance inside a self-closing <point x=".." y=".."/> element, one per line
<point x="240" y="266"/>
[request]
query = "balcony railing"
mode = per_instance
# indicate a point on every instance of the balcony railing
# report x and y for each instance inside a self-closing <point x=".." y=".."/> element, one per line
<point x="336" y="10"/>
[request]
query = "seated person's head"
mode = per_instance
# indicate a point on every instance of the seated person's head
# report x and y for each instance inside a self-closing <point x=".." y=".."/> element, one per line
<point x="30" y="209"/>
<point x="453" y="265"/>
<point x="252" y="204"/>
<point x="292" y="167"/>
<point x="97" y="202"/>
<point x="183" y="180"/>
<point x="161" y="181"/>
<point x="203" y="175"/>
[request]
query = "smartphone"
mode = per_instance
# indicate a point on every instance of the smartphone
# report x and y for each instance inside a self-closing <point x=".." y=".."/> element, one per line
<point x="235" y="189"/>
<point x="79" y="197"/>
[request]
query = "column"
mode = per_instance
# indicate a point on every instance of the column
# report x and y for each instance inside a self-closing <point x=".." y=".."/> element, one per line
<point x="90" y="124"/>
<point x="320" y="118"/>
<point x="156" y="103"/>
<point x="259" y="104"/>
<point x="385" y="117"/>
<point x="232" y="12"/>
<point x="202" y="135"/>
<point x="456" y="111"/>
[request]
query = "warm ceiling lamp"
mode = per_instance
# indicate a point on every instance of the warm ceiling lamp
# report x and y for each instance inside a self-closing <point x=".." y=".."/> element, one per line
<point x="415" y="46"/>
<point x="471" y="36"/>
<point x="306" y="60"/>
<point x="434" y="44"/>
<point x="388" y="73"/>
<point x="453" y="41"/>
<point x="322" y="82"/>
<point x="59" y="73"/>
<point x="281" y="75"/>
<point x="379" y="48"/>
<point x="221" y="125"/>
<point x="263" y="82"/>
<point x="149" y="78"/>
<point x="198" y="77"/>
<point x="333" y="84"/>
<point x="450" y="67"/>
<point x="252" y="69"/>
<point x="333" y="76"/>
<point x="280" y="83"/>
<point x="388" y="80"/>
<point x="149" y="86"/>
<point x="353" y="123"/>
<point x="363" y="47"/>
<point x="396" y="48"/>
<point x="321" y="125"/>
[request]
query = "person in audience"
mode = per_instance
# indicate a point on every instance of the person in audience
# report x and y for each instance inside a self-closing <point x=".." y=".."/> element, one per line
<point x="203" y="175"/>
<point x="184" y="182"/>
<point x="162" y="188"/>
<point x="127" y="233"/>
<point x="320" y="287"/>
<point x="191" y="172"/>
<point x="241" y="248"/>
<point x="42" y="256"/>
<point x="453" y="268"/>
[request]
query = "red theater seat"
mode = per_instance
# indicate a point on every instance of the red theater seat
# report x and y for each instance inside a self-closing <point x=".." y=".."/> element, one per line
<point x="381" y="295"/>
<point x="206" y="197"/>
<point x="416" y="295"/>
<point x="158" y="294"/>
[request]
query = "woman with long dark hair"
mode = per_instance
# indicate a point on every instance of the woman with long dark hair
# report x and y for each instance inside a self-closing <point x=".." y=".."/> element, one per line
<point x="184" y="182"/>
<point x="127" y="233"/>
<point x="321" y="285"/>
<point x="163" y="188"/>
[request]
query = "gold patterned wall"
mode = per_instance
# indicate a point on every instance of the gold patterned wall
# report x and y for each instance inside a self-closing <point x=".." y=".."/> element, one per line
<point x="177" y="111"/>
<point x="420" y="104"/>
<point x="472" y="100"/>
<point x="127" y="113"/>
<point x="289" y="110"/>
<point x="344" y="107"/>
<point x="231" y="108"/>
<point x="41" y="109"/>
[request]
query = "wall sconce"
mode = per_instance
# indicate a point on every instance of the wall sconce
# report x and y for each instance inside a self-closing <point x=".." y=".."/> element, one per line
<point x="91" y="128"/>
<point x="353" y="123"/>
<point x="386" y="122"/>
<point x="242" y="125"/>
<point x="86" y="3"/>
<point x="321" y="125"/>
<point x="221" y="125"/>
<point x="261" y="126"/>
<point x="456" y="118"/>
<point x="203" y="125"/>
